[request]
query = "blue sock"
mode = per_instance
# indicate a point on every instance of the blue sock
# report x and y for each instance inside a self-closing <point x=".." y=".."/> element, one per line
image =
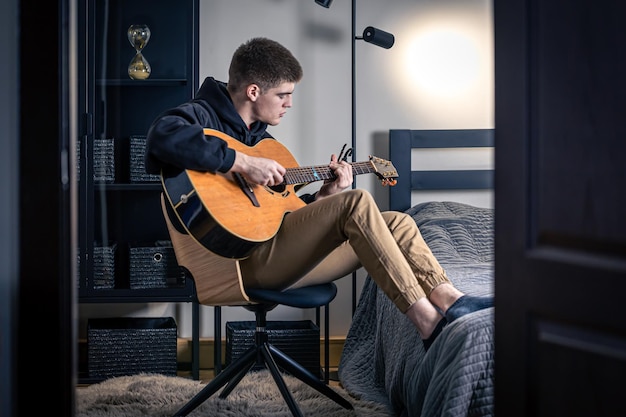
<point x="467" y="304"/>
<point x="427" y="342"/>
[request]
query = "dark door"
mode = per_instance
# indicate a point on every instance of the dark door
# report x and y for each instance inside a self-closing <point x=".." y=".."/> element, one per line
<point x="560" y="208"/>
<point x="42" y="333"/>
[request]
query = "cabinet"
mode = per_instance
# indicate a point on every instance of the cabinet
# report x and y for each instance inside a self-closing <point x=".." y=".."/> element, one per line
<point x="118" y="210"/>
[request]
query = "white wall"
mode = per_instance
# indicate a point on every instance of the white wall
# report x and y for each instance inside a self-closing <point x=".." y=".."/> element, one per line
<point x="438" y="75"/>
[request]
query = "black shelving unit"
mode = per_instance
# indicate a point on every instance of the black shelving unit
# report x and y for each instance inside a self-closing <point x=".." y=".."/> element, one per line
<point x="116" y="210"/>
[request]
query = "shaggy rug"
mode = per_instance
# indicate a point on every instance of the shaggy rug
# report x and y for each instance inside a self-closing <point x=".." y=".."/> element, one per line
<point x="255" y="396"/>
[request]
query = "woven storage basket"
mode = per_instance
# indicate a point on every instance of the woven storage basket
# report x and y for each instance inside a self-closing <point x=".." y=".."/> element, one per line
<point x="155" y="267"/>
<point x="103" y="268"/>
<point x="137" y="163"/>
<point x="104" y="160"/>
<point x="298" y="339"/>
<point x="130" y="345"/>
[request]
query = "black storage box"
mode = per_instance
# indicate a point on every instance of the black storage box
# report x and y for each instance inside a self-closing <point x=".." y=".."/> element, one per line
<point x="137" y="164"/>
<point x="130" y="345"/>
<point x="298" y="339"/>
<point x="104" y="160"/>
<point x="103" y="268"/>
<point x="155" y="267"/>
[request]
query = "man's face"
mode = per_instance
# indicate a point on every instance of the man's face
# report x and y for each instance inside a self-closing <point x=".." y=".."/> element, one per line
<point x="272" y="104"/>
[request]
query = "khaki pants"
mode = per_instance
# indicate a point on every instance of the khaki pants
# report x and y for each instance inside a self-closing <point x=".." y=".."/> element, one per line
<point x="333" y="237"/>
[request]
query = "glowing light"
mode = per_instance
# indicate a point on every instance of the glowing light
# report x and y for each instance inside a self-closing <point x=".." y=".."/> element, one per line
<point x="443" y="62"/>
<point x="442" y="69"/>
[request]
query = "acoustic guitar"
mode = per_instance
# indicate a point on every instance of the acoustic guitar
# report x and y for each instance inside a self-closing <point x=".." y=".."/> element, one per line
<point x="230" y="216"/>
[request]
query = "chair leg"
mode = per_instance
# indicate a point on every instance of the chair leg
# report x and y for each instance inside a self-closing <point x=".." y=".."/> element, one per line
<point x="298" y="371"/>
<point x="280" y="382"/>
<point x="236" y="380"/>
<point x="245" y="361"/>
<point x="217" y="332"/>
<point x="326" y="344"/>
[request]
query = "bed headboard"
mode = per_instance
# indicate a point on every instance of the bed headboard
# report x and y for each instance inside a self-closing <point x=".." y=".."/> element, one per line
<point x="402" y="141"/>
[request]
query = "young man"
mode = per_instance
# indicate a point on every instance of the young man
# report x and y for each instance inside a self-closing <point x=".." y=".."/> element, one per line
<point x="339" y="230"/>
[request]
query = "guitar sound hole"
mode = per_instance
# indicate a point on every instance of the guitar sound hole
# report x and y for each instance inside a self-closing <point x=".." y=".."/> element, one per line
<point x="280" y="188"/>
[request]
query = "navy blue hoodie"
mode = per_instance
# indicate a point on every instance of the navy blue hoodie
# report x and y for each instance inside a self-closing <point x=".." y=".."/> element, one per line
<point x="176" y="141"/>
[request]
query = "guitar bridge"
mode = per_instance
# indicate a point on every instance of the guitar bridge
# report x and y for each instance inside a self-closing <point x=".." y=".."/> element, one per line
<point x="245" y="187"/>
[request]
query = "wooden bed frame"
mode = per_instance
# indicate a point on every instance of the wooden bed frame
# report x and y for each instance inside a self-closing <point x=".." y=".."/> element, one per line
<point x="402" y="141"/>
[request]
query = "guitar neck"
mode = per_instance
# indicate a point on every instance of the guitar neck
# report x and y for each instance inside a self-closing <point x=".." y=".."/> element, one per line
<point x="302" y="175"/>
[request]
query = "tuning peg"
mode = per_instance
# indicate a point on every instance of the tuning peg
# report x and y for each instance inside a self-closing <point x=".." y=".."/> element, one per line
<point x="388" y="181"/>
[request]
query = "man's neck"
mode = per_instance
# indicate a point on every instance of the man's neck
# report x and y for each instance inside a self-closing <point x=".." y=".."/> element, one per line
<point x="243" y="108"/>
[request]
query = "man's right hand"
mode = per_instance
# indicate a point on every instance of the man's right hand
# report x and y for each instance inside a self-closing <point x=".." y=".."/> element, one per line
<point x="262" y="171"/>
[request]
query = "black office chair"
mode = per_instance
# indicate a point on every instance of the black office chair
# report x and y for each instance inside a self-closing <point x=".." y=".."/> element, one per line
<point x="218" y="283"/>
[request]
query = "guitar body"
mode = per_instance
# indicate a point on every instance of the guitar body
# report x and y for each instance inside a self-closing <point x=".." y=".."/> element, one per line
<point x="218" y="212"/>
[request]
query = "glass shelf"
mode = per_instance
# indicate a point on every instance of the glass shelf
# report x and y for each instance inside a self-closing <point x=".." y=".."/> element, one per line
<point x="184" y="293"/>
<point x="158" y="82"/>
<point x="152" y="186"/>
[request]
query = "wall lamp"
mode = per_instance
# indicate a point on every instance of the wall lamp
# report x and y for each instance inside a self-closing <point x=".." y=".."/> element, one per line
<point x="324" y="3"/>
<point x="377" y="37"/>
<point x="370" y="34"/>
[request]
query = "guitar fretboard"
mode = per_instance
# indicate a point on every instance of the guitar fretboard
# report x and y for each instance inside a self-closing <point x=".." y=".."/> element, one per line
<point x="301" y="175"/>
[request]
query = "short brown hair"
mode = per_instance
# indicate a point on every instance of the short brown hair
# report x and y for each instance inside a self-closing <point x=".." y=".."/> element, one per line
<point x="263" y="62"/>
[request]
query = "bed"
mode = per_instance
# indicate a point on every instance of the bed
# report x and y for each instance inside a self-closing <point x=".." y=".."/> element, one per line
<point x="383" y="358"/>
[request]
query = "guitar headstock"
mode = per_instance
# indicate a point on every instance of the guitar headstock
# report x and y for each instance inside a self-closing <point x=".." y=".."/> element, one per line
<point x="384" y="170"/>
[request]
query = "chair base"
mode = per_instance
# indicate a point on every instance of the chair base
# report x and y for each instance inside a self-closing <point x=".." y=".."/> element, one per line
<point x="272" y="358"/>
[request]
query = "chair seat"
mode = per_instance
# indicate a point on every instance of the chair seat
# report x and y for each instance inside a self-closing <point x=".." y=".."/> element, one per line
<point x="305" y="297"/>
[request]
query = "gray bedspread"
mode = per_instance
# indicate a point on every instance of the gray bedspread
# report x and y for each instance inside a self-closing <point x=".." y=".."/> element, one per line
<point x="383" y="359"/>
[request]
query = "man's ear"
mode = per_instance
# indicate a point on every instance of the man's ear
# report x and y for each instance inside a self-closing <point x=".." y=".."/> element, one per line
<point x="253" y="91"/>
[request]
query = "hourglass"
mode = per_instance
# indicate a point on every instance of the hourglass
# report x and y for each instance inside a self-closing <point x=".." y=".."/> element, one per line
<point x="138" y="36"/>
